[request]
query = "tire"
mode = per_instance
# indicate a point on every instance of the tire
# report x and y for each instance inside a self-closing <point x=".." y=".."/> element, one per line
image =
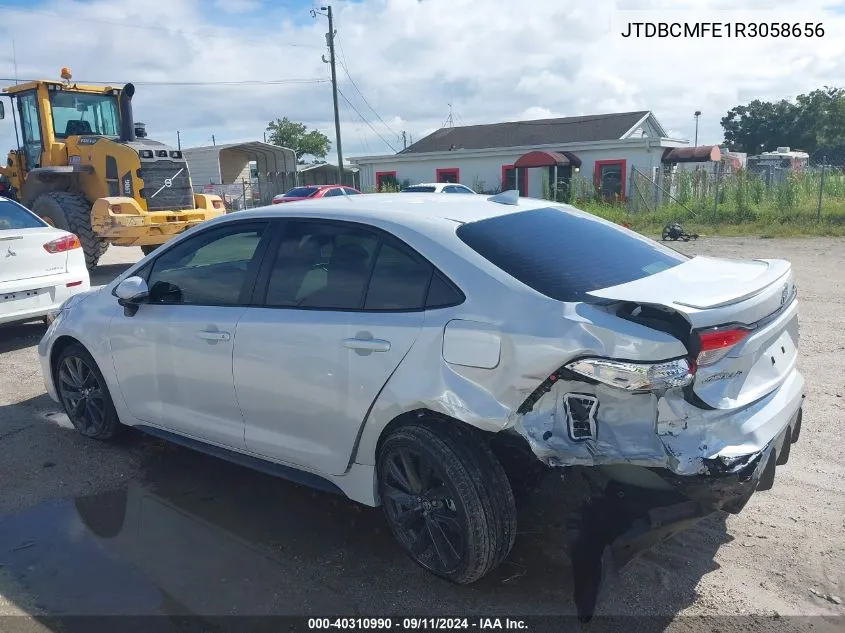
<point x="84" y="394"/>
<point x="149" y="248"/>
<point x="464" y="495"/>
<point x="72" y="212"/>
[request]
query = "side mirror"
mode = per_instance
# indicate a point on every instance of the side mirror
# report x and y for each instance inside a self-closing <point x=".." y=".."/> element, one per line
<point x="131" y="293"/>
<point x="2" y="111"/>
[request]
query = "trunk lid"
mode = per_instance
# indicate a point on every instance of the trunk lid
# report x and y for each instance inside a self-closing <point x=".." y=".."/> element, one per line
<point x="714" y="292"/>
<point x="23" y="256"/>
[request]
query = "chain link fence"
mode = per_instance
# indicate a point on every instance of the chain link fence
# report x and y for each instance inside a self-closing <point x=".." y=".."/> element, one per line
<point x="783" y="191"/>
<point x="248" y="194"/>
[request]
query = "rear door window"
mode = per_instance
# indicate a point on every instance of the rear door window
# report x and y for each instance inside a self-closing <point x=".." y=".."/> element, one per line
<point x="400" y="279"/>
<point x="565" y="255"/>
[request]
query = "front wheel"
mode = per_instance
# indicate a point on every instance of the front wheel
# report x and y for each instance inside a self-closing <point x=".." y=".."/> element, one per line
<point x="447" y="499"/>
<point x="84" y="394"/>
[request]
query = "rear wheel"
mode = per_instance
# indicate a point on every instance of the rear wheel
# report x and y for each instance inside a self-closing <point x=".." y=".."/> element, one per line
<point x="72" y="212"/>
<point x="447" y="499"/>
<point x="84" y="394"/>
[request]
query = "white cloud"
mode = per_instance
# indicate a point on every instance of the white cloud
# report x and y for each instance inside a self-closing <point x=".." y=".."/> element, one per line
<point x="494" y="60"/>
<point x="238" y="6"/>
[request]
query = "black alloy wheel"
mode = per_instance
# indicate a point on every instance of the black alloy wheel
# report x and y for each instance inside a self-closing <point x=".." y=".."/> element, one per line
<point x="84" y="394"/>
<point x="423" y="512"/>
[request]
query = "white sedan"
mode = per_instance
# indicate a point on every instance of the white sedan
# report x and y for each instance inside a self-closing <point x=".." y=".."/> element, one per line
<point x="430" y="353"/>
<point x="437" y="187"/>
<point x="40" y="266"/>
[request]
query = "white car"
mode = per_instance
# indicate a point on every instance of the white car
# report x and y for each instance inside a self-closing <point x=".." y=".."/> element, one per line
<point x="40" y="266"/>
<point x="437" y="187"/>
<point x="433" y="362"/>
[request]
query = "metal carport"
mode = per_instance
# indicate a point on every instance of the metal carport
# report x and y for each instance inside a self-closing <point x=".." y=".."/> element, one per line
<point x="228" y="164"/>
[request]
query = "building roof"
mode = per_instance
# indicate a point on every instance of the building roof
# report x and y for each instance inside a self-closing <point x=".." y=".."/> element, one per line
<point x="575" y="129"/>
<point x="312" y="166"/>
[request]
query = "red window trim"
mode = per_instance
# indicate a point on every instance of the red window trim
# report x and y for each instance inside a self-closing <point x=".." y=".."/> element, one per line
<point x="524" y="179"/>
<point x="379" y="174"/>
<point x="447" y="170"/>
<point x="613" y="161"/>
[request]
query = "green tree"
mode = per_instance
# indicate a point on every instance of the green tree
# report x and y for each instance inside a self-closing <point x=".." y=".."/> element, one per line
<point x="296" y="136"/>
<point x="814" y="120"/>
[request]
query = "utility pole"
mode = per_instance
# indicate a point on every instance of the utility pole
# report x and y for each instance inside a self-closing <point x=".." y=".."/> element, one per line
<point x="213" y="141"/>
<point x="178" y="140"/>
<point x="697" y="114"/>
<point x="404" y="140"/>
<point x="330" y="41"/>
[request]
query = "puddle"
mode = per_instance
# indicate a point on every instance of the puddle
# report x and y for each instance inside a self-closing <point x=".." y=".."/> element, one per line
<point x="199" y="536"/>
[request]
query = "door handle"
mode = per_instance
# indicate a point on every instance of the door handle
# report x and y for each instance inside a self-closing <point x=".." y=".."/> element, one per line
<point x="213" y="336"/>
<point x="367" y="344"/>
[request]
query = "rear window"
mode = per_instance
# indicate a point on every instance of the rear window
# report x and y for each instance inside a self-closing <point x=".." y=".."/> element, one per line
<point x="416" y="189"/>
<point x="565" y="255"/>
<point x="300" y="192"/>
<point x="14" y="216"/>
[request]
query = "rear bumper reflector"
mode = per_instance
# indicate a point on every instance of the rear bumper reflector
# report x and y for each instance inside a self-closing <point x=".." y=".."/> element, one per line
<point x="71" y="284"/>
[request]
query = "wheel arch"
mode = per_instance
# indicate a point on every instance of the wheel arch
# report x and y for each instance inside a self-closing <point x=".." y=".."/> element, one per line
<point x="47" y="181"/>
<point x="59" y="345"/>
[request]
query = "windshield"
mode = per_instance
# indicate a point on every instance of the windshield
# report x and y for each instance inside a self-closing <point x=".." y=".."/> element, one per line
<point x="565" y="255"/>
<point x="77" y="113"/>
<point x="14" y="216"/>
<point x="419" y="189"/>
<point x="300" y="192"/>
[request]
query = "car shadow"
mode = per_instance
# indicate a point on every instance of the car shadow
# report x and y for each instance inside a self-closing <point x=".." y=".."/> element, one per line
<point x="191" y="535"/>
<point x="16" y="336"/>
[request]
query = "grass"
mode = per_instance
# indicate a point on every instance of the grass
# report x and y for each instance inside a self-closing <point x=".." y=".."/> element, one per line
<point x="745" y="207"/>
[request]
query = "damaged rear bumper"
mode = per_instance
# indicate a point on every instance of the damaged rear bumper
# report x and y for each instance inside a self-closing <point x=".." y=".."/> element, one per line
<point x="655" y="465"/>
<point x="620" y="520"/>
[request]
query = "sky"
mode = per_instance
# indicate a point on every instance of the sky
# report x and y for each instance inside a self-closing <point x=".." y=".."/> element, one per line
<point x="401" y="63"/>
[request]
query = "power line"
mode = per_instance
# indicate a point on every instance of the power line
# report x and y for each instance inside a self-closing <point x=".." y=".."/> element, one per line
<point x="358" y="90"/>
<point x="369" y="125"/>
<point x="245" y="82"/>
<point x="6" y="7"/>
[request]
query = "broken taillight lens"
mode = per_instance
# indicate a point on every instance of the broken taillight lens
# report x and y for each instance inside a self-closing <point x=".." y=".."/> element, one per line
<point x="66" y="243"/>
<point x="636" y="376"/>
<point x="717" y="343"/>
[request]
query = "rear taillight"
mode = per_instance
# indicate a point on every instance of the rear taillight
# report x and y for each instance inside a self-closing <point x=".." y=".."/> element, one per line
<point x="716" y="344"/>
<point x="635" y="376"/>
<point x="66" y="243"/>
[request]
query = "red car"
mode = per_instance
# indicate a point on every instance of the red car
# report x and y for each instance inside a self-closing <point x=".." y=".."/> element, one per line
<point x="314" y="191"/>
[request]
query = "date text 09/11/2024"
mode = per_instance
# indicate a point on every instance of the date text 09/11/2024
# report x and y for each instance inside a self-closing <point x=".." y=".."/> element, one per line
<point x="416" y="624"/>
<point x="794" y="30"/>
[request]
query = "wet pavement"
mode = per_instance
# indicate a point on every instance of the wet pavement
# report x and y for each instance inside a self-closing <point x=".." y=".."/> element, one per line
<point x="195" y="535"/>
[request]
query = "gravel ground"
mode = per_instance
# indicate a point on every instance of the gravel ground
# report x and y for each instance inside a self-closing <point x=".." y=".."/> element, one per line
<point x="144" y="527"/>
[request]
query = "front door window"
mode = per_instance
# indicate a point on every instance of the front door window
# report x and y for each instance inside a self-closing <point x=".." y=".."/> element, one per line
<point x="30" y="130"/>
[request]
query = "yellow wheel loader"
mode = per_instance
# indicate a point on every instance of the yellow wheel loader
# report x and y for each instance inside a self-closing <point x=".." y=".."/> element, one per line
<point x="84" y="165"/>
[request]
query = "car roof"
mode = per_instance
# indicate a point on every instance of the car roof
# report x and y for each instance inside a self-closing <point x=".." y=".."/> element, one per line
<point x="401" y="208"/>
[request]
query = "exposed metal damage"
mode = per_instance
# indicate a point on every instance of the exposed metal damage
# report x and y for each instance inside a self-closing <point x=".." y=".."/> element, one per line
<point x="654" y="465"/>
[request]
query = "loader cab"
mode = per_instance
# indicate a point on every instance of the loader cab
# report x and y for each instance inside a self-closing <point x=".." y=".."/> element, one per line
<point x="48" y="112"/>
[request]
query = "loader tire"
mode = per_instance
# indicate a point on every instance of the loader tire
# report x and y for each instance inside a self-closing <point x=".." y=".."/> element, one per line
<point x="72" y="212"/>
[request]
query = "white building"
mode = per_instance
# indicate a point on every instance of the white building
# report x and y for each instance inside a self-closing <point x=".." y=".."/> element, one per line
<point x="600" y="151"/>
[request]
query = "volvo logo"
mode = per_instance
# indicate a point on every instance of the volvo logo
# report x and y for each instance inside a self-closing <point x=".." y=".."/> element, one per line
<point x="168" y="182"/>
